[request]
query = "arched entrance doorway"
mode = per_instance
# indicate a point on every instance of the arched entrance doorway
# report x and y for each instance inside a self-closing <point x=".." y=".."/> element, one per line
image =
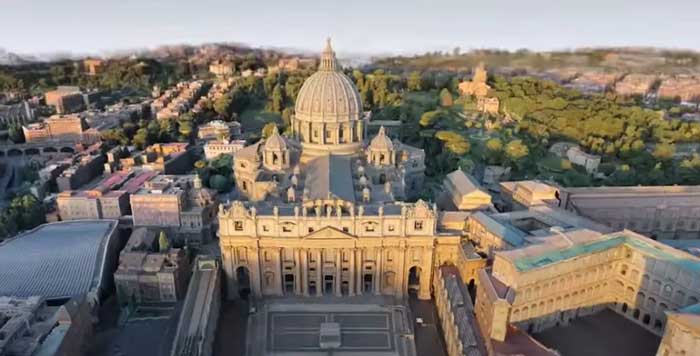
<point x="328" y="284"/>
<point x="367" y="283"/>
<point x="243" y="279"/>
<point x="414" y="279"/>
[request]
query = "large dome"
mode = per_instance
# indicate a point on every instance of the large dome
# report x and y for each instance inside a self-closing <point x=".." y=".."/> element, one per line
<point x="328" y="95"/>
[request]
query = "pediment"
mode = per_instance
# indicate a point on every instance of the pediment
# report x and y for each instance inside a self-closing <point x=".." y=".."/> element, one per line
<point x="329" y="233"/>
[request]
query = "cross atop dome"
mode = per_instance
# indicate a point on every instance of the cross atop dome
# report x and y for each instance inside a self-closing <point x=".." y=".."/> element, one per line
<point x="328" y="61"/>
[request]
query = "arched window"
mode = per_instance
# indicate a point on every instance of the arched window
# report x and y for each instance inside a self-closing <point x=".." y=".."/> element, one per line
<point x="623" y="270"/>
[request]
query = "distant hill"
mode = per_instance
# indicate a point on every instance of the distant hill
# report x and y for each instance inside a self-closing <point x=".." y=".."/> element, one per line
<point x="12" y="59"/>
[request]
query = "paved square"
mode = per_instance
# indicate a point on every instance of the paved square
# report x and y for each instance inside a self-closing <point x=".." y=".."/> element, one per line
<point x="292" y="329"/>
<point x="602" y="334"/>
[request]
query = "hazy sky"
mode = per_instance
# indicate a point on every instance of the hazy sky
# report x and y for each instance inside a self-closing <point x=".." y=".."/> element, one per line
<point x="368" y="26"/>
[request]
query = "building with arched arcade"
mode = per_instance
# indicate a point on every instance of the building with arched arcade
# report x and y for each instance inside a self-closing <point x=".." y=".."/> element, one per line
<point x="325" y="210"/>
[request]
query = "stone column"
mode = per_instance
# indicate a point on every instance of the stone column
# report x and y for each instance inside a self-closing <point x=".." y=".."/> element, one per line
<point x="319" y="274"/>
<point x="280" y="272"/>
<point x="227" y="257"/>
<point x="297" y="272"/>
<point x="338" y="272"/>
<point x="323" y="134"/>
<point x="351" y="280"/>
<point x="360" y="271"/>
<point x="308" y="134"/>
<point x="255" y="277"/>
<point x="305" y="272"/>
<point x="378" y="272"/>
<point x="402" y="280"/>
<point x="426" y="275"/>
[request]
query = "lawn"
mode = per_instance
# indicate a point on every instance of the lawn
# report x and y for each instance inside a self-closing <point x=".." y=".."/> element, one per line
<point x="253" y="120"/>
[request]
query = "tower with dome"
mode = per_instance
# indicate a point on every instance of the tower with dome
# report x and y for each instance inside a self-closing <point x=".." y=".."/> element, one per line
<point x="325" y="210"/>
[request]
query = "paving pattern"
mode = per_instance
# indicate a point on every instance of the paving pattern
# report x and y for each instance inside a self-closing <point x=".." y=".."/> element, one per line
<point x="288" y="328"/>
<point x="359" y="331"/>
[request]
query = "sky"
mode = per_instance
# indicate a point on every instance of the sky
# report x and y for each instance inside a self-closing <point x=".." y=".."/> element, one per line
<point x="356" y="26"/>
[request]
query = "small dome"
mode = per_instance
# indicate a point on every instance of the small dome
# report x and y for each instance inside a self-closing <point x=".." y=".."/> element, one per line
<point x="328" y="95"/>
<point x="381" y="142"/>
<point x="275" y="142"/>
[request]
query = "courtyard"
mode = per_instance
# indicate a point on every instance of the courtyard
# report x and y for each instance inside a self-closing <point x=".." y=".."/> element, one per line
<point x="602" y="334"/>
<point x="292" y="326"/>
<point x="331" y="326"/>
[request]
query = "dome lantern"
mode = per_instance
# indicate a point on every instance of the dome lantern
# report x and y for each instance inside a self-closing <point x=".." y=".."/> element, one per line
<point x="328" y="61"/>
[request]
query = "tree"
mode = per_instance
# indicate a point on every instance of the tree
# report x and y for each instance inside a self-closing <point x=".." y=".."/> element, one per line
<point x="664" y="151"/>
<point x="277" y="99"/>
<point x="494" y="144"/>
<point x="445" y="98"/>
<point x="24" y="212"/>
<point x="15" y="133"/>
<point x="494" y="150"/>
<point x="269" y="82"/>
<point x="222" y="105"/>
<point x="454" y="142"/>
<point x="287" y="116"/>
<point x="220" y="183"/>
<point x="428" y="118"/>
<point x="516" y="150"/>
<point x="185" y="129"/>
<point x="163" y="242"/>
<point x="116" y="136"/>
<point x="414" y="81"/>
<point x="141" y="139"/>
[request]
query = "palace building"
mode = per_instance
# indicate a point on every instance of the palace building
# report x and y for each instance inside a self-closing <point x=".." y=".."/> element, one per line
<point x="325" y="210"/>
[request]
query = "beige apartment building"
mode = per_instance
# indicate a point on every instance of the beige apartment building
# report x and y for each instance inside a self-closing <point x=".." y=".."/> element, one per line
<point x="146" y="274"/>
<point x="65" y="99"/>
<point x="219" y="130"/>
<point x="178" y="204"/>
<point x="214" y="149"/>
<point x="465" y="193"/>
<point x="682" y="335"/>
<point x="56" y="127"/>
<point x="662" y="212"/>
<point x="579" y="272"/>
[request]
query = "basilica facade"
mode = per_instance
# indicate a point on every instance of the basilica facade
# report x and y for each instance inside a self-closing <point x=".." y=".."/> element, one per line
<point x="324" y="208"/>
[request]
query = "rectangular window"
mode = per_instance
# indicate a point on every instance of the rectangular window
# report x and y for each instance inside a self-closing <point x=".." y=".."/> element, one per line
<point x="346" y="229"/>
<point x="418" y="225"/>
<point x="238" y="225"/>
<point x="391" y="228"/>
<point x="286" y="229"/>
<point x="369" y="228"/>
